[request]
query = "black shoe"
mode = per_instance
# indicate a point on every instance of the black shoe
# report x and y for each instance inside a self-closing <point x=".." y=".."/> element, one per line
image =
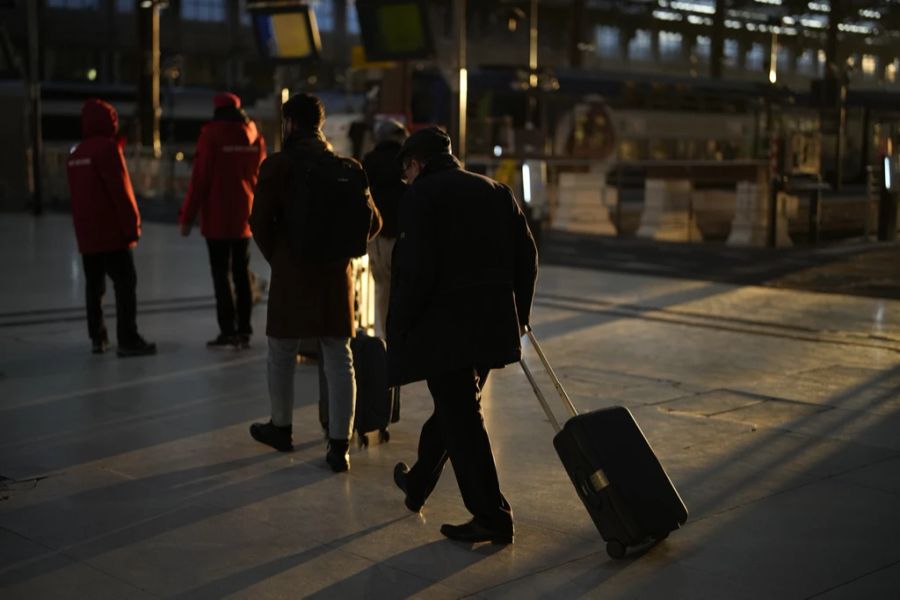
<point x="99" y="346"/>
<point x="242" y="341"/>
<point x="338" y="456"/>
<point x="139" y="347"/>
<point x="401" y="474"/>
<point x="473" y="533"/>
<point x="224" y="342"/>
<point x="272" y="435"/>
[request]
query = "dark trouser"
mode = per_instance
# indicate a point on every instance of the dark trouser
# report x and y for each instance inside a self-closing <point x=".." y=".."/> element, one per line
<point x="456" y="431"/>
<point x="119" y="266"/>
<point x="231" y="256"/>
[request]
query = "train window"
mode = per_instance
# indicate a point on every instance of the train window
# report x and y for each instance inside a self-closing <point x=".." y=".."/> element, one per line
<point x="730" y="52"/>
<point x="658" y="150"/>
<point x="869" y="63"/>
<point x="640" y="47"/>
<point x="807" y="63"/>
<point x="629" y="150"/>
<point x="755" y="57"/>
<point x="606" y="40"/>
<point x="203" y="10"/>
<point x="702" y="49"/>
<point x="75" y="4"/>
<point x="670" y="43"/>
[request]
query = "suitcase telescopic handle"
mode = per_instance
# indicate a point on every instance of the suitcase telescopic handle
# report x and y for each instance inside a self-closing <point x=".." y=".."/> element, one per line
<point x="556" y="383"/>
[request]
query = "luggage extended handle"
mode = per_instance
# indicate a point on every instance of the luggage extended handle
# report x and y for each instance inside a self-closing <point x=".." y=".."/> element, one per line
<point x="556" y="383"/>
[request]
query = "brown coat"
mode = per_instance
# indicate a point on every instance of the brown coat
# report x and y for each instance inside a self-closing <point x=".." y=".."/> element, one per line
<point x="306" y="299"/>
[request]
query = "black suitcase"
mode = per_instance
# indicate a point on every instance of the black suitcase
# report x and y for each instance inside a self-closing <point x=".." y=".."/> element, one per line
<point x="377" y="405"/>
<point x="617" y="475"/>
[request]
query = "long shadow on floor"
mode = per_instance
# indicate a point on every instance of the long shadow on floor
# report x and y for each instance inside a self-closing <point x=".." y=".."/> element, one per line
<point x="242" y="580"/>
<point x="97" y="521"/>
<point x="384" y="580"/>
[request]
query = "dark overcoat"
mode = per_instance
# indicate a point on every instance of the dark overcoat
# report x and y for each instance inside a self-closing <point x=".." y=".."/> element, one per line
<point x="463" y="275"/>
<point x="306" y="299"/>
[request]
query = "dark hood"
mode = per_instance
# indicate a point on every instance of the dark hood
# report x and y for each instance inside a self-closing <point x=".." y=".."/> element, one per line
<point x="98" y="119"/>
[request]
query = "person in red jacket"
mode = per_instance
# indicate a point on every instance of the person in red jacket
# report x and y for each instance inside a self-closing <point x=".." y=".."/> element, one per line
<point x="107" y="226"/>
<point x="226" y="166"/>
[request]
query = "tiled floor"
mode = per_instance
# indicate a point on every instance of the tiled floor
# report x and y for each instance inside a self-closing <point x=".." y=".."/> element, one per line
<point x="776" y="413"/>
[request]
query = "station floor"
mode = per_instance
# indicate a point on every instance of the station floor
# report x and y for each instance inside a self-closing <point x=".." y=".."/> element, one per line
<point x="775" y="410"/>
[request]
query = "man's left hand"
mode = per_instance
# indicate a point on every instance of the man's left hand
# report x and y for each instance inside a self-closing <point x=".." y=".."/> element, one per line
<point x="185" y="229"/>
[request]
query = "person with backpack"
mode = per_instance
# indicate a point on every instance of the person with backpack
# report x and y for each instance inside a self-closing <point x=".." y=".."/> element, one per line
<point x="225" y="169"/>
<point x="311" y="215"/>
<point x="107" y="227"/>
<point x="463" y="280"/>
<point x="387" y="189"/>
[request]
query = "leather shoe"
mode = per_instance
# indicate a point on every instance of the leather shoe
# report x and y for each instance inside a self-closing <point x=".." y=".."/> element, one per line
<point x="401" y="475"/>
<point x="474" y="533"/>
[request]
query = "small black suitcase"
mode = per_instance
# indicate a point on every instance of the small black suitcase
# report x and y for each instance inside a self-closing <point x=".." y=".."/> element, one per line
<point x="377" y="405"/>
<point x="617" y="475"/>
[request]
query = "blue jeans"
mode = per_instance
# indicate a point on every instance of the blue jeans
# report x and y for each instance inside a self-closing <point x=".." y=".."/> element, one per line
<point x="337" y="360"/>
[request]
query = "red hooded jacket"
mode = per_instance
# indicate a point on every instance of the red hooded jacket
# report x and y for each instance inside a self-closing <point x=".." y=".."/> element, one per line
<point x="226" y="167"/>
<point x="104" y="210"/>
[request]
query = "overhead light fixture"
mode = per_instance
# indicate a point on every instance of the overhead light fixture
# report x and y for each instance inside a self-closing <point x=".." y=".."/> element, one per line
<point x="693" y="7"/>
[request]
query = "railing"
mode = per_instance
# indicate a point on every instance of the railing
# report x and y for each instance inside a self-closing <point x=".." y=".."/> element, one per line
<point x="163" y="181"/>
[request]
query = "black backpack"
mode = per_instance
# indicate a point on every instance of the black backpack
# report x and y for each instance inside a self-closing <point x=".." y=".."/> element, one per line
<point x="330" y="217"/>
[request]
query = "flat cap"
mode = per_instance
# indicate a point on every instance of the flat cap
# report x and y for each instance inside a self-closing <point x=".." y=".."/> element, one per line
<point x="425" y="143"/>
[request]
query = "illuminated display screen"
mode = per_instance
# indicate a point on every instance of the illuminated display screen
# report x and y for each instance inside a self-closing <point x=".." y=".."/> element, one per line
<point x="394" y="29"/>
<point x="287" y="34"/>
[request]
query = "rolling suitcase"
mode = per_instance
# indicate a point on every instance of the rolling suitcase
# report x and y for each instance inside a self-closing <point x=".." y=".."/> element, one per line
<point x="377" y="405"/>
<point x="618" y="477"/>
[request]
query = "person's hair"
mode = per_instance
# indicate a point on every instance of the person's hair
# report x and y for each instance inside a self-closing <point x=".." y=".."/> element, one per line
<point x="305" y="110"/>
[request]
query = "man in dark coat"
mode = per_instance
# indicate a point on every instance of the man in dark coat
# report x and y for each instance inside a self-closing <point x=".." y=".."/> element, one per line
<point x="463" y="279"/>
<point x="387" y="189"/>
<point x="107" y="225"/>
<point x="226" y="165"/>
<point x="307" y="298"/>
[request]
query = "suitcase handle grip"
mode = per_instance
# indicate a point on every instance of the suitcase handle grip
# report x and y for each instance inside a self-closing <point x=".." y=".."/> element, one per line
<point x="556" y="383"/>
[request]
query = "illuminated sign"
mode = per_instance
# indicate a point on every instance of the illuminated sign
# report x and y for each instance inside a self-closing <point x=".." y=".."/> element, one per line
<point x="395" y="29"/>
<point x="286" y="33"/>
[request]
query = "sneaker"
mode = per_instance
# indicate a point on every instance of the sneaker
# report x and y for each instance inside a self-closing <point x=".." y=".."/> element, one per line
<point x="223" y="342"/>
<point x="99" y="346"/>
<point x="139" y="347"/>
<point x="272" y="435"/>
<point x="338" y="456"/>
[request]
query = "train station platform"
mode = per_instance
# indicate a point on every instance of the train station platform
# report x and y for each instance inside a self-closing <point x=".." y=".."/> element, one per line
<point x="775" y="409"/>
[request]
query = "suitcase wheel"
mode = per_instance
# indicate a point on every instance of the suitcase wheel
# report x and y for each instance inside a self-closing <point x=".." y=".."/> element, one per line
<point x="363" y="441"/>
<point x="384" y="435"/>
<point x="615" y="549"/>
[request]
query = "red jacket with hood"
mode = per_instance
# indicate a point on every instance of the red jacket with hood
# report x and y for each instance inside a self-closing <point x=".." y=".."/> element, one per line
<point x="104" y="210"/>
<point x="225" y="170"/>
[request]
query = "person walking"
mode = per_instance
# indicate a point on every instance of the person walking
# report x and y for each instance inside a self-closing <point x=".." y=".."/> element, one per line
<point x="312" y="214"/>
<point x="462" y="283"/>
<point x="225" y="171"/>
<point x="107" y="227"/>
<point x="388" y="188"/>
